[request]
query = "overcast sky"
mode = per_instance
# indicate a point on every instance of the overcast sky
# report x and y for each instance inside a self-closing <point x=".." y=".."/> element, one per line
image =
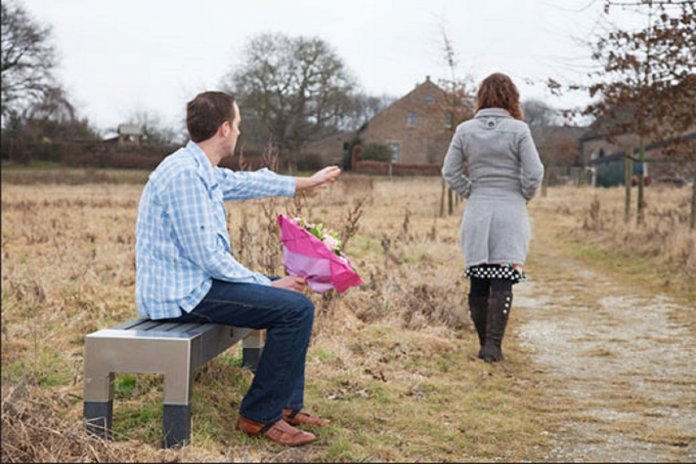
<point x="119" y="57"/>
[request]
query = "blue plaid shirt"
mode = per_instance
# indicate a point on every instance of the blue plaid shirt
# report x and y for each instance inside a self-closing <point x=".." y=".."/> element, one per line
<point x="182" y="242"/>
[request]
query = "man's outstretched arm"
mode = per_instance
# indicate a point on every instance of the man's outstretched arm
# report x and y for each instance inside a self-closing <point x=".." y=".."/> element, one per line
<point x="247" y="185"/>
<point x="320" y="179"/>
<point x="244" y="185"/>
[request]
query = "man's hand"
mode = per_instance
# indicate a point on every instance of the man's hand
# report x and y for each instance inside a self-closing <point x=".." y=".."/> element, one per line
<point x="296" y="284"/>
<point x="320" y="179"/>
<point x="325" y="176"/>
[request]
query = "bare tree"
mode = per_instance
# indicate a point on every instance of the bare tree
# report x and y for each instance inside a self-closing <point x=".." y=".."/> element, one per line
<point x="365" y="107"/>
<point x="460" y="96"/>
<point x="53" y="105"/>
<point x="646" y="83"/>
<point x="155" y="130"/>
<point x="43" y="127"/>
<point x="538" y="113"/>
<point x="557" y="143"/>
<point x="55" y="118"/>
<point x="458" y="105"/>
<point x="297" y="86"/>
<point x="27" y="58"/>
<point x="649" y="73"/>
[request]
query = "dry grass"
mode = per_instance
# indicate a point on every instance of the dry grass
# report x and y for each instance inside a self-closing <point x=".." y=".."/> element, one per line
<point x="392" y="363"/>
<point x="38" y="175"/>
<point x="658" y="256"/>
<point x="664" y="237"/>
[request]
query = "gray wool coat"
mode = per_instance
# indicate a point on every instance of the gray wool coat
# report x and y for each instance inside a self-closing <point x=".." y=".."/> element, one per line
<point x="504" y="173"/>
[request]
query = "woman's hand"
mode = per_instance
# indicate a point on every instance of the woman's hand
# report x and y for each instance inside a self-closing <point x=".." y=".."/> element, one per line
<point x="296" y="284"/>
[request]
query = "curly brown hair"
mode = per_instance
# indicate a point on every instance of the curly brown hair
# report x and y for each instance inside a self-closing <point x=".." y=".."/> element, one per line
<point x="498" y="91"/>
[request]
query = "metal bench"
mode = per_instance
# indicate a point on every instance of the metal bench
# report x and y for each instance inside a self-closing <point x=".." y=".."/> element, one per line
<point x="174" y="349"/>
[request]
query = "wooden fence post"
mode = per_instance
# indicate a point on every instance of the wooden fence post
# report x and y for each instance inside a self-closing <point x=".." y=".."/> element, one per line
<point x="693" y="204"/>
<point x="442" y="199"/>
<point x="450" y="201"/>
<point x="641" y="184"/>
<point x="628" y="177"/>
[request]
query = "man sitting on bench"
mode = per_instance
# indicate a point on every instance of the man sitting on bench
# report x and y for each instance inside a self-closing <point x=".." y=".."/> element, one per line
<point x="186" y="272"/>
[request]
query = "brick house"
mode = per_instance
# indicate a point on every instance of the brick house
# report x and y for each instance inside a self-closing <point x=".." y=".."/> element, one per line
<point x="416" y="127"/>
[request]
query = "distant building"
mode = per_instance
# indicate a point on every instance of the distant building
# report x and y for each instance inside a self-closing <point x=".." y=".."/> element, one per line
<point x="559" y="149"/>
<point x="596" y="141"/>
<point x="130" y="134"/>
<point x="604" y="155"/>
<point x="559" y="145"/>
<point x="416" y="128"/>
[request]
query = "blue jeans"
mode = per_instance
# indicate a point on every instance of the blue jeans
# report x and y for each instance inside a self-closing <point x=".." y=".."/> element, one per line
<point x="287" y="316"/>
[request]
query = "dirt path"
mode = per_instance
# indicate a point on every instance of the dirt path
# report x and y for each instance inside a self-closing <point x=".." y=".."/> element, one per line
<point x="611" y="353"/>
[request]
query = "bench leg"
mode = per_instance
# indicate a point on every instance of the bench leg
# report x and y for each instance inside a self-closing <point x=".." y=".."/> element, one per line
<point x="98" y="418"/>
<point x="178" y="383"/>
<point x="98" y="407"/>
<point x="176" y="425"/>
<point x="251" y="353"/>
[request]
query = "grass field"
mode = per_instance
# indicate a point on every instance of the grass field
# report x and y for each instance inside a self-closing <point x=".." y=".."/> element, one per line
<point x="392" y="363"/>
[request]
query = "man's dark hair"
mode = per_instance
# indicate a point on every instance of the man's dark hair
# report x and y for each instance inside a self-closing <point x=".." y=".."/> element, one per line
<point x="206" y="112"/>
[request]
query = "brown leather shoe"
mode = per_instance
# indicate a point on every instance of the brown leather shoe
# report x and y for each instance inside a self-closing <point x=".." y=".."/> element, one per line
<point x="281" y="432"/>
<point x="297" y="417"/>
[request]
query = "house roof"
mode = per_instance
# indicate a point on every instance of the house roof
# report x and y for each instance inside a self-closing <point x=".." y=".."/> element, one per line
<point x="426" y="83"/>
<point x="129" y="129"/>
<point x="648" y="148"/>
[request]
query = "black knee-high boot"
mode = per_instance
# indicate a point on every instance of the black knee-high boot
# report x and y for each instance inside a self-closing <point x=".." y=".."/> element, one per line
<point x="499" y="304"/>
<point x="478" y="307"/>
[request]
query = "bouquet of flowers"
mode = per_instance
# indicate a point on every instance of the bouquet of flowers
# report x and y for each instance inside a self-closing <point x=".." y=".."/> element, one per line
<point x="315" y="252"/>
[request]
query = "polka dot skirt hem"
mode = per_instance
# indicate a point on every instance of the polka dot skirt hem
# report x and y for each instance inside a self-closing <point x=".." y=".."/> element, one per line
<point x="496" y="271"/>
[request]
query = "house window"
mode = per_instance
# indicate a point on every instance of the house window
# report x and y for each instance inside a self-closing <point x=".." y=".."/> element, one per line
<point x="395" y="148"/>
<point x="412" y="117"/>
<point x="428" y="98"/>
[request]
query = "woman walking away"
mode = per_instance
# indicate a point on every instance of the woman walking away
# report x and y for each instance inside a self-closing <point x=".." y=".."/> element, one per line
<point x="504" y="172"/>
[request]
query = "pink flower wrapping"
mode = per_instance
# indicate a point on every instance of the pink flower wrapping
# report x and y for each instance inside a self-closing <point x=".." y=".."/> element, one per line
<point x="304" y="255"/>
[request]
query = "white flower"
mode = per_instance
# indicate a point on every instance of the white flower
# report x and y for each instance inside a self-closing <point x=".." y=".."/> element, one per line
<point x="330" y="242"/>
